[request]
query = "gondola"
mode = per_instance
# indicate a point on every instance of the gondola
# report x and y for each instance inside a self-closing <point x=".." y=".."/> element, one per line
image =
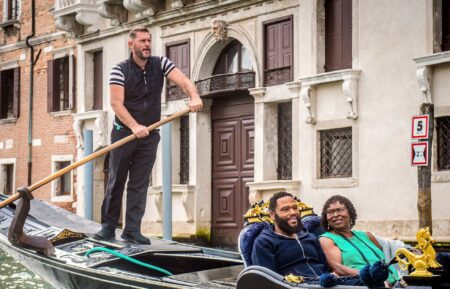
<point x="116" y="264"/>
<point x="57" y="245"/>
<point x="182" y="266"/>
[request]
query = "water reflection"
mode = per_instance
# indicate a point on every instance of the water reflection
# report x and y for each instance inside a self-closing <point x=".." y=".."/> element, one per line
<point x="14" y="276"/>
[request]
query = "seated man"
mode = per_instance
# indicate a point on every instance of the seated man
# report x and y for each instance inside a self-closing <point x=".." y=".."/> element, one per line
<point x="286" y="248"/>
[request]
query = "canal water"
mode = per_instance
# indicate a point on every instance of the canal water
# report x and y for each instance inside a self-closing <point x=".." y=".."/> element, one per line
<point x="15" y="276"/>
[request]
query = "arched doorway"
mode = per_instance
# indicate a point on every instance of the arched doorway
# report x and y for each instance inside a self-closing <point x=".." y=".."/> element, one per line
<point x="232" y="116"/>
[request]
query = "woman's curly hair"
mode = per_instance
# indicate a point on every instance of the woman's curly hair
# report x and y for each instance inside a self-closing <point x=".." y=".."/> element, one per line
<point x="343" y="200"/>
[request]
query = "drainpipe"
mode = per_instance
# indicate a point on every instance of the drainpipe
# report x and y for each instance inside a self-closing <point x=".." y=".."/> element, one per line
<point x="30" y="108"/>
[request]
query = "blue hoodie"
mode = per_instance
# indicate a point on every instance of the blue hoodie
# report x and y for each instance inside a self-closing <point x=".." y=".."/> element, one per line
<point x="284" y="255"/>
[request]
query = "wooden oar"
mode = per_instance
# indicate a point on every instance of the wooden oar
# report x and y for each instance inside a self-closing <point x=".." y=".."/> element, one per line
<point x="91" y="157"/>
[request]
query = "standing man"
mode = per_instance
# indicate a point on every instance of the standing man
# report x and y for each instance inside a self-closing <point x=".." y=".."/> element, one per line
<point x="135" y="92"/>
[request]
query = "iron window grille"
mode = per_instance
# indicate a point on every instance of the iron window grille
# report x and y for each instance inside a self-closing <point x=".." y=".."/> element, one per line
<point x="284" y="169"/>
<point x="184" y="150"/>
<point x="336" y="153"/>
<point x="443" y="143"/>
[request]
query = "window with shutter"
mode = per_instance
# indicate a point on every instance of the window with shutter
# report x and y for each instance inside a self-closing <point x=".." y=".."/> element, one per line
<point x="9" y="93"/>
<point x="445" y="25"/>
<point x="179" y="54"/>
<point x="61" y="84"/>
<point x="278" y="51"/>
<point x="7" y="178"/>
<point x="98" y="80"/>
<point x="11" y="10"/>
<point x="338" y="34"/>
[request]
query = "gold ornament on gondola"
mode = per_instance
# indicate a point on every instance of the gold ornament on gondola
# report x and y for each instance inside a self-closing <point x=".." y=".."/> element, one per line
<point x="426" y="258"/>
<point x="259" y="212"/>
<point x="294" y="278"/>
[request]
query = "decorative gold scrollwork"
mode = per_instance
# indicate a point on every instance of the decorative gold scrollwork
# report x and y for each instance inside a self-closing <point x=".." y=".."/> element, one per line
<point x="424" y="259"/>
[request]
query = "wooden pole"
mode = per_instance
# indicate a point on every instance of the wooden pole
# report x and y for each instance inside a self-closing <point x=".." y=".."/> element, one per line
<point x="424" y="175"/>
<point x="91" y="157"/>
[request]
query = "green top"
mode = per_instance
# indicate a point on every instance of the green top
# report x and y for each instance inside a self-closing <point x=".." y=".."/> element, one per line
<point x="352" y="258"/>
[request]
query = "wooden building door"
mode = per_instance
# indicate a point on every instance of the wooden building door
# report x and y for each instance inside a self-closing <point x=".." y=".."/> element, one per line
<point x="233" y="154"/>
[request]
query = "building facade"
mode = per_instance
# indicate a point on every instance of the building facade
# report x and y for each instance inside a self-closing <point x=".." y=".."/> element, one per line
<point x="36" y="134"/>
<point x="314" y="97"/>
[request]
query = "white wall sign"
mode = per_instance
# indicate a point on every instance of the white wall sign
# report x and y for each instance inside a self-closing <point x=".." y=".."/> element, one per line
<point x="419" y="153"/>
<point x="420" y="126"/>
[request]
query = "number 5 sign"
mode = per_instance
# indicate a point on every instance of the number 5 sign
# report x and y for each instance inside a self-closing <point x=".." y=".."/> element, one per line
<point x="420" y="126"/>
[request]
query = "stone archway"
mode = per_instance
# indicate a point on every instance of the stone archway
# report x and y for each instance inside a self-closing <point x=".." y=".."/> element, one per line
<point x="230" y="143"/>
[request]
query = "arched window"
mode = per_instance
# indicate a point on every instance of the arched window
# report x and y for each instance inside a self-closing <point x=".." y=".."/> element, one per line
<point x="234" y="58"/>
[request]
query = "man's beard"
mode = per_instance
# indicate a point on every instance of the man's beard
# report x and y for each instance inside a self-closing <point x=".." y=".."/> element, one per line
<point x="285" y="227"/>
<point x="140" y="54"/>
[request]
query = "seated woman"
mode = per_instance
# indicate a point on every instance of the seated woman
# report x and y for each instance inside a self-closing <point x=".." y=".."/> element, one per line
<point x="347" y="251"/>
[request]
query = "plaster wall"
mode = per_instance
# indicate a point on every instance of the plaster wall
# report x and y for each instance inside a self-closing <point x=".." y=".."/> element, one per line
<point x="388" y="96"/>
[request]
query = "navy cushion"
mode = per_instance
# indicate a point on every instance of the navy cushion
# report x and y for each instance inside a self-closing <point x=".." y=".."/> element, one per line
<point x="247" y="238"/>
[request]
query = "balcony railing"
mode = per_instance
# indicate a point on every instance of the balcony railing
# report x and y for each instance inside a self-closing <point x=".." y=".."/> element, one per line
<point x="277" y="75"/>
<point x="63" y="4"/>
<point x="226" y="82"/>
<point x="216" y="83"/>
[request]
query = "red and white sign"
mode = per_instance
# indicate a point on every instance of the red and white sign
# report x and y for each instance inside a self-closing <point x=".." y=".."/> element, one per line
<point x="420" y="126"/>
<point x="419" y="153"/>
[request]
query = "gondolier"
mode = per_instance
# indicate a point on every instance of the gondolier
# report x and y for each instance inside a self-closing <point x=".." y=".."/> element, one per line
<point x="135" y="93"/>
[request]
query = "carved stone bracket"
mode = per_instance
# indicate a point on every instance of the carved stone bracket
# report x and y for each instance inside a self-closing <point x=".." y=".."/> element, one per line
<point x="425" y="70"/>
<point x="184" y="201"/>
<point x="77" y="129"/>
<point x="69" y="24"/>
<point x="176" y="4"/>
<point x="349" y="88"/>
<point x="307" y="93"/>
<point x="258" y="93"/>
<point x="424" y="77"/>
<point x="294" y="87"/>
<point x="113" y="10"/>
<point x="349" y="79"/>
<point x="259" y="190"/>
<point x="73" y="16"/>
<point x="186" y="192"/>
<point x="144" y="8"/>
<point x="98" y="117"/>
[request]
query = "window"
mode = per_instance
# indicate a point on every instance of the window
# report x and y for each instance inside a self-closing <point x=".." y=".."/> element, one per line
<point x="336" y="153"/>
<point x="284" y="170"/>
<point x="63" y="183"/>
<point x="445" y="25"/>
<point x="233" y="58"/>
<point x="9" y="93"/>
<point x="98" y="80"/>
<point x="278" y="48"/>
<point x="184" y="150"/>
<point x="233" y="70"/>
<point x="11" y="8"/>
<point x="7" y="178"/>
<point x="60" y="84"/>
<point x="338" y="34"/>
<point x="443" y="143"/>
<point x="179" y="55"/>
<point x="62" y="187"/>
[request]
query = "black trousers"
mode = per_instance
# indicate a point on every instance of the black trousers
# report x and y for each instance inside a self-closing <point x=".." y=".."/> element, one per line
<point x="133" y="160"/>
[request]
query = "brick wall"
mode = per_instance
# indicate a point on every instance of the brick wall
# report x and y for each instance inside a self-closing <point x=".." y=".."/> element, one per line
<point x="45" y="125"/>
